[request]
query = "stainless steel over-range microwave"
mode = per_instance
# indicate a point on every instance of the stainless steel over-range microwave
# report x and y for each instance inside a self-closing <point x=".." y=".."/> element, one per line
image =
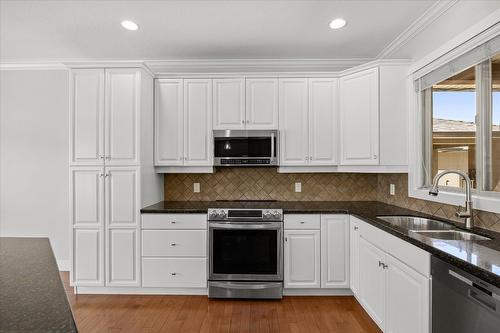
<point x="246" y="147"/>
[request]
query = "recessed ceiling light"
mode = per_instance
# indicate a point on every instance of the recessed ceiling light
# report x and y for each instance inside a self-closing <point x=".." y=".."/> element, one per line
<point x="129" y="25"/>
<point x="337" y="23"/>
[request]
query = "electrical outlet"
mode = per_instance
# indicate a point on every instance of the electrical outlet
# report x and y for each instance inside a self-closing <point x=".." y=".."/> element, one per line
<point x="298" y="187"/>
<point x="392" y="189"/>
<point x="196" y="187"/>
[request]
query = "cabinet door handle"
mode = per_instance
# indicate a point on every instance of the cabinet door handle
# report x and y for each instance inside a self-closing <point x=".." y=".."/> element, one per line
<point x="243" y="121"/>
<point x="107" y="175"/>
<point x="173" y="244"/>
<point x="101" y="157"/>
<point x="173" y="222"/>
<point x="356" y="228"/>
<point x="301" y="222"/>
<point x="173" y="273"/>
<point x="380" y="263"/>
<point x="286" y="239"/>
<point x="101" y="175"/>
<point x="374" y="156"/>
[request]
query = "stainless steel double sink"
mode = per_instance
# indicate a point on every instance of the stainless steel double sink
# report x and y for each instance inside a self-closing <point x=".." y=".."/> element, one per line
<point x="431" y="228"/>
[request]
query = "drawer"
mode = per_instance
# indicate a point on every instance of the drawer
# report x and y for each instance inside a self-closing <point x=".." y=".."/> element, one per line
<point x="174" y="243"/>
<point x="174" y="221"/>
<point x="174" y="272"/>
<point x="302" y="221"/>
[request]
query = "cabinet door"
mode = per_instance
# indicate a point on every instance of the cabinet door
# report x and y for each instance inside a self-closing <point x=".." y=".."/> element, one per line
<point x="359" y="118"/>
<point x="169" y="122"/>
<point x="198" y="122"/>
<point x="323" y="121"/>
<point x="123" y="89"/>
<point x="122" y="257"/>
<point x="293" y="121"/>
<point x="334" y="251"/>
<point x="87" y="117"/>
<point x="372" y="281"/>
<point x="262" y="103"/>
<point x="407" y="299"/>
<point x="354" y="255"/>
<point x="229" y="103"/>
<point x="302" y="259"/>
<point x="88" y="257"/>
<point x="122" y="196"/>
<point x="87" y="197"/>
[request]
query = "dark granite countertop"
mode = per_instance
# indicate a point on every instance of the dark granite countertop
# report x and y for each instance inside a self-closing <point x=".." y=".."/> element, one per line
<point x="480" y="258"/>
<point x="32" y="296"/>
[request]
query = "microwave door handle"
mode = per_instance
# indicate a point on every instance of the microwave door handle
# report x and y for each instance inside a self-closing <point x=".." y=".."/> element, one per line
<point x="272" y="146"/>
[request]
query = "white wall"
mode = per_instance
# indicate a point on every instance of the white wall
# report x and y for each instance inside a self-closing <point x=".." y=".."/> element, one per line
<point x="34" y="187"/>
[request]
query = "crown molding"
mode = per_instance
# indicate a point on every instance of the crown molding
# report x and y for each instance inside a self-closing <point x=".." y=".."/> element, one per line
<point x="235" y="66"/>
<point x="16" y="66"/>
<point x="429" y="16"/>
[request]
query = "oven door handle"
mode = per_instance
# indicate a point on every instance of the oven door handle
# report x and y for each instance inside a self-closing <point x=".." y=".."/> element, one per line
<point x="246" y="225"/>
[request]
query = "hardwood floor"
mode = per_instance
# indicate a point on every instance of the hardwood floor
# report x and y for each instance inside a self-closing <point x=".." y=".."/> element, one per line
<point x="137" y="313"/>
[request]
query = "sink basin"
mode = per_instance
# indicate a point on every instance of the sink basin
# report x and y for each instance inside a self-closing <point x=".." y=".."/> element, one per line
<point x="416" y="223"/>
<point x="451" y="235"/>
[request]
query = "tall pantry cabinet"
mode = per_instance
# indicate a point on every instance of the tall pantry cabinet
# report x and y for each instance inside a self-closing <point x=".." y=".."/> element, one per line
<point x="111" y="173"/>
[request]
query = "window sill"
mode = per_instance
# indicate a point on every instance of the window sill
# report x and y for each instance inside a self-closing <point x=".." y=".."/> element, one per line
<point x="481" y="201"/>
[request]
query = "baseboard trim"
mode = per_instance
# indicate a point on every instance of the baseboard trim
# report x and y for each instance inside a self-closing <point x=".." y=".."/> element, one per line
<point x="64" y="265"/>
<point x="317" y="292"/>
<point x="141" y="291"/>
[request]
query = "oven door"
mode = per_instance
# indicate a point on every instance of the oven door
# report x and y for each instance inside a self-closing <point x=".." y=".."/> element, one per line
<point x="246" y="251"/>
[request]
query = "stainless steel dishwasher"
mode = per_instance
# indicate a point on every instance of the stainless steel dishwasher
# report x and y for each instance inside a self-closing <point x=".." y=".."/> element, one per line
<point x="462" y="303"/>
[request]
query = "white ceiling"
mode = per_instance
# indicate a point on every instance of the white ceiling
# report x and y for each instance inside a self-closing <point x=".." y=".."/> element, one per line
<point x="63" y="30"/>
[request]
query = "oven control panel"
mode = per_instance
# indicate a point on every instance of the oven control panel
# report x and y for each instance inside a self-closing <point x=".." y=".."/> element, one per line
<point x="239" y="215"/>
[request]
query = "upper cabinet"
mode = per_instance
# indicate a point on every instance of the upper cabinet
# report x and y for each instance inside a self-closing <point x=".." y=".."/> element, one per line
<point x="308" y="122"/>
<point x="229" y="103"/>
<point x="262" y="103"/>
<point x="245" y="104"/>
<point x="359" y="118"/>
<point x="104" y="116"/>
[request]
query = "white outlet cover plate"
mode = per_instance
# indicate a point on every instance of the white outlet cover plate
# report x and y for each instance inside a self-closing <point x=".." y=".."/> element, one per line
<point x="196" y="187"/>
<point x="298" y="187"/>
<point x="392" y="189"/>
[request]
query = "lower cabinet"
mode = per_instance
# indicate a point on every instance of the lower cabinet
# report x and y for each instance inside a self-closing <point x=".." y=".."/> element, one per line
<point x="395" y="293"/>
<point x="88" y="257"/>
<point x="316" y="251"/>
<point x="302" y="259"/>
<point x="122" y="258"/>
<point x="174" y="272"/>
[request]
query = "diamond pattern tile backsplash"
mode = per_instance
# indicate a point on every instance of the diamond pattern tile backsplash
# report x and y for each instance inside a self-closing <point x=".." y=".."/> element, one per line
<point x="268" y="184"/>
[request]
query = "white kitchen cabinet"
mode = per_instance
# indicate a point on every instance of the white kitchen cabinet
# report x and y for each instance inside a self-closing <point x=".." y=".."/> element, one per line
<point x="408" y="299"/>
<point x="87" y="197"/>
<point x="359" y="118"/>
<point x="123" y="257"/>
<point x="334" y="251"/>
<point x="308" y="122"/>
<point x="372" y="281"/>
<point x="122" y="112"/>
<point x="354" y="255"/>
<point x="229" y="103"/>
<point x="293" y="126"/>
<point x="198" y="122"/>
<point x="174" y="272"/>
<point x="302" y="259"/>
<point x="169" y="122"/>
<point x="323" y="122"/>
<point x="87" y="117"/>
<point x="88" y="257"/>
<point x="262" y="103"/>
<point x="122" y="196"/>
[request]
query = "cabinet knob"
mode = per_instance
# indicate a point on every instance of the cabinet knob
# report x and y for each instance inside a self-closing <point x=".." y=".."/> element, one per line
<point x="101" y="175"/>
<point x="101" y="157"/>
<point x="356" y="228"/>
<point x="375" y="156"/>
<point x="242" y="121"/>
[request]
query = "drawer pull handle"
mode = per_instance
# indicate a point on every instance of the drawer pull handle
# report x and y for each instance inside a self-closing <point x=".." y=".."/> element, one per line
<point x="173" y="273"/>
<point x="173" y="244"/>
<point x="302" y="222"/>
<point x="173" y="222"/>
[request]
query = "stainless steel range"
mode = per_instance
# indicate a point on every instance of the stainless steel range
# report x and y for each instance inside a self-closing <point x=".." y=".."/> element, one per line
<point x="246" y="253"/>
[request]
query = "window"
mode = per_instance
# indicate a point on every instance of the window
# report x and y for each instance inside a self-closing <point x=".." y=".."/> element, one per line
<point x="461" y="117"/>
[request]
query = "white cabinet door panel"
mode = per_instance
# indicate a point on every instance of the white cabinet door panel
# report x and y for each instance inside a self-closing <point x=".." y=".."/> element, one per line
<point x="262" y="103"/>
<point x="359" y="118"/>
<point x="334" y="251"/>
<point x="198" y="122"/>
<point x="87" y="196"/>
<point x="323" y="122"/>
<point x="293" y="121"/>
<point x="87" y="117"/>
<point x="88" y="257"/>
<point x="407" y="299"/>
<point x="302" y="259"/>
<point x="174" y="243"/>
<point x="354" y="255"/>
<point x="174" y="221"/>
<point x="372" y="281"/>
<point x="122" y="116"/>
<point x="169" y="122"/>
<point x="123" y="258"/>
<point x="122" y="194"/>
<point x="229" y="103"/>
<point x="174" y="272"/>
